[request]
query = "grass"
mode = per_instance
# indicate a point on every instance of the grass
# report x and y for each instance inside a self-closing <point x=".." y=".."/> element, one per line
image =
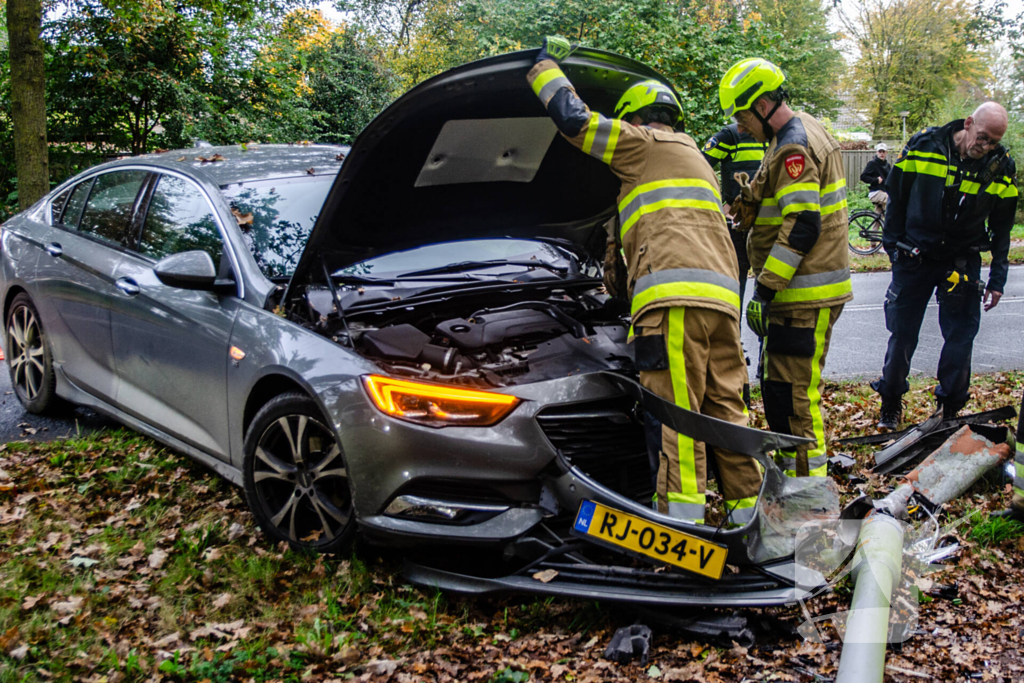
<point x="995" y="531"/>
<point x="122" y="560"/>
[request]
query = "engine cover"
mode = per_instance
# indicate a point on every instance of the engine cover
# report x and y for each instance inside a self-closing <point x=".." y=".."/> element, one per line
<point x="502" y="327"/>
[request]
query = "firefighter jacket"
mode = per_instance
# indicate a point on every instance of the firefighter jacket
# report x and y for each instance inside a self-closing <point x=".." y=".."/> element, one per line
<point x="875" y="169"/>
<point x="941" y="203"/>
<point x="798" y="243"/>
<point x="674" y="237"/>
<point x="738" y="153"/>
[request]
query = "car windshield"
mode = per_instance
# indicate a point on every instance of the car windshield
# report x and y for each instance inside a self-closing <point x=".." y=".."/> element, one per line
<point x="485" y="258"/>
<point x="276" y="217"/>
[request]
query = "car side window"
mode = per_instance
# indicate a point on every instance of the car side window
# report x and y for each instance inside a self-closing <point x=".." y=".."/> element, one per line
<point x="179" y="219"/>
<point x="75" y="204"/>
<point x="109" y="210"/>
<point x="57" y="205"/>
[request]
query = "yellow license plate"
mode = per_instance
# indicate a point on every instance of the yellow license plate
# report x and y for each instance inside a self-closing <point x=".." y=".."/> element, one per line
<point x="652" y="540"/>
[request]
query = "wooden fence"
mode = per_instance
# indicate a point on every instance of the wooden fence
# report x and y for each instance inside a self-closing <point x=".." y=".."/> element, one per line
<point x="854" y="162"/>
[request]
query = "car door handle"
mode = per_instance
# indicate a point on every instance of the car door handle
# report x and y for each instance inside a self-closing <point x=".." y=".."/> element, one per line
<point x="54" y="249"/>
<point x="127" y="285"/>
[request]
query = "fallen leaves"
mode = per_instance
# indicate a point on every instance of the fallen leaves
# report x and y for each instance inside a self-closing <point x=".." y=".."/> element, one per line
<point x="157" y="558"/>
<point x="242" y="219"/>
<point x="210" y="159"/>
<point x="546" y="576"/>
<point x="222" y="601"/>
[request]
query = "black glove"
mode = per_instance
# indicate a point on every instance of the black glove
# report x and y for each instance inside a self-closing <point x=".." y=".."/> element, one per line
<point x="556" y="49"/>
<point x="758" y="309"/>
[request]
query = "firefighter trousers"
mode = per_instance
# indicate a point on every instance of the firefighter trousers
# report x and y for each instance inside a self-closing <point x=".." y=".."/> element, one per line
<point x="692" y="357"/>
<point x="791" y="385"/>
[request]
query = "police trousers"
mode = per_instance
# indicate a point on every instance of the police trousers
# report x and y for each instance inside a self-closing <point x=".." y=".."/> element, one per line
<point x="914" y="281"/>
<point x="791" y="384"/>
<point x="739" y="243"/>
<point x="692" y="357"/>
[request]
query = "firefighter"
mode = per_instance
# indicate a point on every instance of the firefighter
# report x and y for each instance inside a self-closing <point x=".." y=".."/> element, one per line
<point x="952" y="195"/>
<point x="1016" y="509"/>
<point x="682" y="279"/>
<point x="796" y="211"/>
<point x="738" y="153"/>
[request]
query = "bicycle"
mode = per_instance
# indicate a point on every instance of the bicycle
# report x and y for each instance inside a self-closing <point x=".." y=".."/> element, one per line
<point x="866" y="232"/>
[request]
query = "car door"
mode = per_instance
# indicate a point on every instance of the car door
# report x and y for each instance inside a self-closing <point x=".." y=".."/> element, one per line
<point x="171" y="345"/>
<point x="75" y="275"/>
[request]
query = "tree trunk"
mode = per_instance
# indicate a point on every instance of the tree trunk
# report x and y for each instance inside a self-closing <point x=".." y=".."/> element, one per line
<point x="28" y="100"/>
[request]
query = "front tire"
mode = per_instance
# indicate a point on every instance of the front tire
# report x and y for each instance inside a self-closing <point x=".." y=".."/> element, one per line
<point x="29" y="359"/>
<point x="295" y="477"/>
<point x="866" y="223"/>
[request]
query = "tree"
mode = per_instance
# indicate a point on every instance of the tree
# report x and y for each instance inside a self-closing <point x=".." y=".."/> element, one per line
<point x="812" y="62"/>
<point x="28" y="99"/>
<point x="912" y="53"/>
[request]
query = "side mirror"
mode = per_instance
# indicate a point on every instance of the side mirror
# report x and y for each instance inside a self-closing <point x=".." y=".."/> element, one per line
<point x="187" y="270"/>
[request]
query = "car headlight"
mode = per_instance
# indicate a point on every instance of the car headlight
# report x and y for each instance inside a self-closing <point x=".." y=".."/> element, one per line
<point x="437" y="405"/>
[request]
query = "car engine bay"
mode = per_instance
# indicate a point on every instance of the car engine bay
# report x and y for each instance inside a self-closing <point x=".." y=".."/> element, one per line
<point x="486" y="340"/>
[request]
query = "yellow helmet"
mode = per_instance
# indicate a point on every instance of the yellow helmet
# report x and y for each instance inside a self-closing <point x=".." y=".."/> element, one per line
<point x="745" y="81"/>
<point x="645" y="94"/>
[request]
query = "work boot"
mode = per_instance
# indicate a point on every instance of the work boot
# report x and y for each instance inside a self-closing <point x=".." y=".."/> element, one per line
<point x="949" y="410"/>
<point x="1010" y="513"/>
<point x="892" y="414"/>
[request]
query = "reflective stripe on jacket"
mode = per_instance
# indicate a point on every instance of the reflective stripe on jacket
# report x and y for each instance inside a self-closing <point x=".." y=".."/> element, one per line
<point x="674" y="237"/>
<point x="798" y="244"/>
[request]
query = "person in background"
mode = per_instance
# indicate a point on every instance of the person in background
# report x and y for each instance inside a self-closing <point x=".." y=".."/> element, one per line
<point x="738" y="153"/>
<point x="875" y="173"/>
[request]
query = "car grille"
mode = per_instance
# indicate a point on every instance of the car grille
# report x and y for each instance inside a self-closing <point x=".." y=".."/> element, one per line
<point x="606" y="441"/>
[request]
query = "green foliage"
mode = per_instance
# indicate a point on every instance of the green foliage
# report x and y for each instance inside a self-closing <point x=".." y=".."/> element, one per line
<point x="692" y="44"/>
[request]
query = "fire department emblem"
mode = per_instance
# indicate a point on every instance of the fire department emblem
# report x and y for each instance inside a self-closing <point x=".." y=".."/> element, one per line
<point x="795" y="165"/>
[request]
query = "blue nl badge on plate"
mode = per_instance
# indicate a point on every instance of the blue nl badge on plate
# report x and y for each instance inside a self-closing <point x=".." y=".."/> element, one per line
<point x="585" y="516"/>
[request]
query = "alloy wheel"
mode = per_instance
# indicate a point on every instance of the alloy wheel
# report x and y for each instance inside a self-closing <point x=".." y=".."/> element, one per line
<point x="301" y="480"/>
<point x="27" y="355"/>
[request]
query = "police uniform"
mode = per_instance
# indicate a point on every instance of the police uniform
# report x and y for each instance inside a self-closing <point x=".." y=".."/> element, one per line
<point x="798" y="249"/>
<point x="738" y="153"/>
<point x="683" y="286"/>
<point x="950" y="210"/>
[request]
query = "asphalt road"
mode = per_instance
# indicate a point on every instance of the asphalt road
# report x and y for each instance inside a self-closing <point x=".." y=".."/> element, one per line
<point x="859" y="338"/>
<point x="858" y="348"/>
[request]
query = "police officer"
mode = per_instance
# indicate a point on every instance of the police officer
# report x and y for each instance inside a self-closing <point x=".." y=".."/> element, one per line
<point x="875" y="173"/>
<point x="682" y="279"/>
<point x="947" y="184"/>
<point x="738" y="153"/>
<point x="796" y="205"/>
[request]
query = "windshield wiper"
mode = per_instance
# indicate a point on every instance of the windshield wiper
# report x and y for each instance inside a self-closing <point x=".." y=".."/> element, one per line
<point x="472" y="265"/>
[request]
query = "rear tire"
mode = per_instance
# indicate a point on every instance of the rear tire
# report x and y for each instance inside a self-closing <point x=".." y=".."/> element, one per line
<point x="295" y="477"/>
<point x="871" y="222"/>
<point x="28" y="358"/>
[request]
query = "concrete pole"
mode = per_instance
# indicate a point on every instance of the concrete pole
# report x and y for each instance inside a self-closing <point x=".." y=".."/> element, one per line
<point x="877" y="568"/>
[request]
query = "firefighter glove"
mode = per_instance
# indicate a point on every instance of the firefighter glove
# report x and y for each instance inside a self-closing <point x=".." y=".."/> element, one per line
<point x="757" y="310"/>
<point x="555" y="48"/>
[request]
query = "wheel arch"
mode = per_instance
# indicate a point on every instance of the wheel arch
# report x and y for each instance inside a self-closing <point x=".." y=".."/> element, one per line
<point x="266" y="389"/>
<point x="12" y="292"/>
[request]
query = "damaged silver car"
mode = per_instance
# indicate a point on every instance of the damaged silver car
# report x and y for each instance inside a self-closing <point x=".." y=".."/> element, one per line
<point x="407" y="340"/>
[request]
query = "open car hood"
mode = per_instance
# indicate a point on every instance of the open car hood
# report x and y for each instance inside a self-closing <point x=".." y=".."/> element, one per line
<point x="468" y="154"/>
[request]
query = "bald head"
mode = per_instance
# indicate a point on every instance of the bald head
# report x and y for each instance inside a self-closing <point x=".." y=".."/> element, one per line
<point x="982" y="130"/>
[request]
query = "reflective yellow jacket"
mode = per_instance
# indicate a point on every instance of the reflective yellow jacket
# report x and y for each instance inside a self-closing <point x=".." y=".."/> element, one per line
<point x="798" y="244"/>
<point x="674" y="236"/>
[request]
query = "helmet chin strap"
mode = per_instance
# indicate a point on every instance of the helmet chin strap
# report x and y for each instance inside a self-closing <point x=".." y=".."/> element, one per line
<point x="768" y="132"/>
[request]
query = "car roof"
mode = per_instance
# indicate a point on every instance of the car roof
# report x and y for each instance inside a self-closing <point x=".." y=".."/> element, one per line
<point x="242" y="163"/>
